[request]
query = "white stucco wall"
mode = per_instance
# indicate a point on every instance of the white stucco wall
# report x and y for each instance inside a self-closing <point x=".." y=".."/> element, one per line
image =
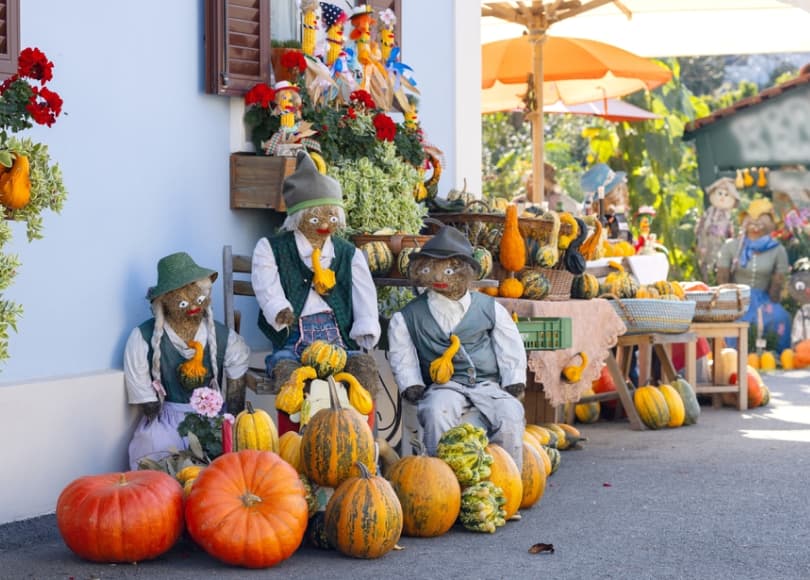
<point x="144" y="153"/>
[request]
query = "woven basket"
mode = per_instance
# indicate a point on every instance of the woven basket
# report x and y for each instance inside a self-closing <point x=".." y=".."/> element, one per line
<point x="475" y="225"/>
<point x="723" y="303"/>
<point x="560" y="282"/>
<point x="650" y="315"/>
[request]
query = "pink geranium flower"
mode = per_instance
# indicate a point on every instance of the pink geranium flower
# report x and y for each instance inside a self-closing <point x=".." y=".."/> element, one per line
<point x="206" y="401"/>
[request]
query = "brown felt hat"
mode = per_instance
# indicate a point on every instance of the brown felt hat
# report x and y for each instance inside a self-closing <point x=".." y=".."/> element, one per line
<point x="307" y="187"/>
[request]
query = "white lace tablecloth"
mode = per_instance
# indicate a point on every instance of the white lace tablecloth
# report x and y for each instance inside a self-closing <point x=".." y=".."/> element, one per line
<point x="595" y="326"/>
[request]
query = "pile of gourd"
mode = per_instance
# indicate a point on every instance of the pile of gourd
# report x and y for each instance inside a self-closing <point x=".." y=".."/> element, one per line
<point x="667" y="405"/>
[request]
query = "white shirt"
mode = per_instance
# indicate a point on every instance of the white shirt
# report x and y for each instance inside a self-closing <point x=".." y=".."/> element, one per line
<point x="510" y="352"/>
<point x="270" y="294"/>
<point x="137" y="366"/>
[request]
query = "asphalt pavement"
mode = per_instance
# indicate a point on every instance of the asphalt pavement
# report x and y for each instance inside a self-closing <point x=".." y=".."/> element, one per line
<point x="724" y="499"/>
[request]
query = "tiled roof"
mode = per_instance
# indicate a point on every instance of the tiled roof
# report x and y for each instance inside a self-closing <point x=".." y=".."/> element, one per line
<point x="770" y="93"/>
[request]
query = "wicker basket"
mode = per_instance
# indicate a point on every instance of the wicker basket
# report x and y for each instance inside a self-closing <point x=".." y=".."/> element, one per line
<point x="476" y="225"/>
<point x="560" y="282"/>
<point x="650" y="315"/>
<point x="723" y="303"/>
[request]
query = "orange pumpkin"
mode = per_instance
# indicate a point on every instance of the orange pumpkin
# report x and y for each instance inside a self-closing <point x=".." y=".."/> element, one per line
<point x="105" y="518"/>
<point x="248" y="508"/>
<point x="334" y="441"/>
<point x="533" y="476"/>
<point x="754" y="390"/>
<point x="506" y="475"/>
<point x="429" y="493"/>
<point x="363" y="518"/>
<point x="801" y="355"/>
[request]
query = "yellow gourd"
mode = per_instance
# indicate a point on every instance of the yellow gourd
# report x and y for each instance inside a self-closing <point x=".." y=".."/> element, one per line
<point x="590" y="248"/>
<point x="291" y="395"/>
<point x="512" y="254"/>
<point x="441" y="369"/>
<point x="786" y="359"/>
<point x="15" y="184"/>
<point x="548" y="255"/>
<point x="767" y="362"/>
<point x="359" y="397"/>
<point x="573" y="373"/>
<point x="324" y="278"/>
<point x="564" y="240"/>
<point x="762" y="180"/>
<point x="188" y="472"/>
<point x="748" y="179"/>
<point x="510" y="288"/>
<point x="753" y="360"/>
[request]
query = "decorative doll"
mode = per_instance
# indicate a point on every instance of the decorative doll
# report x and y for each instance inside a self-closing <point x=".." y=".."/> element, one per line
<point x="312" y="285"/>
<point x="180" y="349"/>
<point x="334" y="18"/>
<point x="757" y="259"/>
<point x="309" y="26"/>
<point x="799" y="290"/>
<point x="715" y="225"/>
<point x="362" y="21"/>
<point x="388" y="22"/>
<point x="453" y="351"/>
<point x="607" y="192"/>
<point x="645" y="244"/>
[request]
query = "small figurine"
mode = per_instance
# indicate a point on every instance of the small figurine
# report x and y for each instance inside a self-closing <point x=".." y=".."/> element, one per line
<point x="799" y="290"/>
<point x="288" y="105"/>
<point x="312" y="285"/>
<point x="334" y="18"/>
<point x="178" y="350"/>
<point x="309" y="26"/>
<point x="645" y="244"/>
<point x="453" y="351"/>
<point x="715" y="225"/>
<point x="607" y="192"/>
<point x="758" y="260"/>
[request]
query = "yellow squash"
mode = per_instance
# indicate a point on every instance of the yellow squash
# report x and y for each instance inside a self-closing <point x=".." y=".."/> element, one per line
<point x="441" y="369"/>
<point x="255" y="429"/>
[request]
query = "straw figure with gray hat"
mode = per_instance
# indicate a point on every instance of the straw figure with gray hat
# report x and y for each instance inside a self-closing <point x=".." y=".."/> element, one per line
<point x="158" y="351"/>
<point x="716" y="225"/>
<point x="312" y="285"/>
<point x="480" y="376"/>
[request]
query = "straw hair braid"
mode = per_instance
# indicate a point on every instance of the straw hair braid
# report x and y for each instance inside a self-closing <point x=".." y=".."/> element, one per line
<point x="205" y="286"/>
<point x="157" y="336"/>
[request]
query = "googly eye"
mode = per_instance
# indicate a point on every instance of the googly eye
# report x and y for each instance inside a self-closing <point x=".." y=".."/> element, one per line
<point x="314" y="220"/>
<point x="800" y="286"/>
<point x="183" y="304"/>
<point x="449" y="271"/>
<point x="333" y="219"/>
<point x="200" y="299"/>
<point x="425" y="270"/>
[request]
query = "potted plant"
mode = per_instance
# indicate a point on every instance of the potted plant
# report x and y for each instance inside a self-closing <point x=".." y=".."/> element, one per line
<point x="29" y="182"/>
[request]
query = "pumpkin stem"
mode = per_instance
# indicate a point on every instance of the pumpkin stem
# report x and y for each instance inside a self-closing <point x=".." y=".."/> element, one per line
<point x="249" y="407"/>
<point x="364" y="471"/>
<point x="122" y="480"/>
<point x="248" y="499"/>
<point x="334" y="402"/>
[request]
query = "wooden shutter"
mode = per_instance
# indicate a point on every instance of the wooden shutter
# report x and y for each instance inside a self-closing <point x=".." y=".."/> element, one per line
<point x="9" y="37"/>
<point x="237" y="45"/>
<point x="380" y="5"/>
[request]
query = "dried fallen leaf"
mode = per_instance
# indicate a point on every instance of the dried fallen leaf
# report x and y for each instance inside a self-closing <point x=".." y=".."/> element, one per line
<point x="541" y="548"/>
<point x="397" y="547"/>
<point x="606" y="484"/>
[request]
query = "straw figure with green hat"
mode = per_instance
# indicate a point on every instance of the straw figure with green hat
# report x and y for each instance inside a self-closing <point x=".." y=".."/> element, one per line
<point x="455" y="354"/>
<point x="177" y="351"/>
<point x="312" y="285"/>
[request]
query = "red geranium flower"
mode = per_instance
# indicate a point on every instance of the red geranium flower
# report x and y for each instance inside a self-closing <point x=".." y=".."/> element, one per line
<point x="350" y="113"/>
<point x="44" y="106"/>
<point x="293" y="59"/>
<point x="35" y="65"/>
<point x="385" y="126"/>
<point x="363" y="98"/>
<point x="261" y="94"/>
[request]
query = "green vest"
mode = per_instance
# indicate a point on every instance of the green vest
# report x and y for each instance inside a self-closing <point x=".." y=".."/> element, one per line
<point x="170" y="359"/>
<point x="296" y="281"/>
<point x="475" y="360"/>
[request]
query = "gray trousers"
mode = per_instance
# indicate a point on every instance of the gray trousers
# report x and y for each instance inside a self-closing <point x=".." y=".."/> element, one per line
<point x="485" y="405"/>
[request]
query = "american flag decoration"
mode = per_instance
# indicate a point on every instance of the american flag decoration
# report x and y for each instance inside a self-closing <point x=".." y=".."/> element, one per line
<point x="332" y="14"/>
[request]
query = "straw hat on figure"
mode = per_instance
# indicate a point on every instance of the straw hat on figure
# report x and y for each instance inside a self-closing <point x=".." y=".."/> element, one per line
<point x="457" y="354"/>
<point x="716" y="225"/>
<point x="312" y="285"/>
<point x="180" y="349"/>
<point x="761" y="262"/>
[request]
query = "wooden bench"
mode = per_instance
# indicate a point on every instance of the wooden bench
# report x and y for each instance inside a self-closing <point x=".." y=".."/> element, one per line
<point x="715" y="332"/>
<point x="236" y="282"/>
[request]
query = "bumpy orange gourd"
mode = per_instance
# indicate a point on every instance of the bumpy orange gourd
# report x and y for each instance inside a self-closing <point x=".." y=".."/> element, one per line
<point x="512" y="254"/>
<point x="506" y="475"/>
<point x="429" y="493"/>
<point x="15" y="184"/>
<point x="510" y="288"/>
<point x="102" y="518"/>
<point x="254" y="491"/>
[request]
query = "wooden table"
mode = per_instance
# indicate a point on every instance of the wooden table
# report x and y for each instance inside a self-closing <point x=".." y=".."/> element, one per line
<point x="715" y="332"/>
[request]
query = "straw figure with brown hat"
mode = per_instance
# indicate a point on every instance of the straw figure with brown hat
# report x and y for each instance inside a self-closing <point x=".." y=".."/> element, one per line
<point x="758" y="260"/>
<point x="157" y="370"/>
<point x="312" y="285"/>
<point x="457" y="354"/>
<point x="716" y="225"/>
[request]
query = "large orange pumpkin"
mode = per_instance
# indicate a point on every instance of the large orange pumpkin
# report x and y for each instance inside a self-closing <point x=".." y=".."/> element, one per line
<point x="754" y="391"/>
<point x="533" y="476"/>
<point x="801" y="356"/>
<point x="363" y="518"/>
<point x="248" y="508"/>
<point x="334" y="440"/>
<point x="429" y="493"/>
<point x="506" y="475"/>
<point x="121" y="517"/>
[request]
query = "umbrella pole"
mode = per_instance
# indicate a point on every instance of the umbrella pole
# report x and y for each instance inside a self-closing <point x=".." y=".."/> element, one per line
<point x="538" y="37"/>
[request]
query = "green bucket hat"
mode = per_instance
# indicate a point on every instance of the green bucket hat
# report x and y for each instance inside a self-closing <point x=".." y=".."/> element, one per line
<point x="175" y="271"/>
<point x="307" y="187"/>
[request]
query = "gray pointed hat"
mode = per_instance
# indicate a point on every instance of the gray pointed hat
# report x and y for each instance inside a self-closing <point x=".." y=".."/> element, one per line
<point x="307" y="187"/>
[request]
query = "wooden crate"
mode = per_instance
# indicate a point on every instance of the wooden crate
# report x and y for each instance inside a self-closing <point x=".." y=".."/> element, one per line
<point x="538" y="408"/>
<point x="256" y="180"/>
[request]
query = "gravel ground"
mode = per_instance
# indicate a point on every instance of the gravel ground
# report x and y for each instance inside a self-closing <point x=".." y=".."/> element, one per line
<point x="723" y="499"/>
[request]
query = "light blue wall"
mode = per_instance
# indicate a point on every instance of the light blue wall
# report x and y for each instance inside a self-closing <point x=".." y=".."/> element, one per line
<point x="144" y="153"/>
